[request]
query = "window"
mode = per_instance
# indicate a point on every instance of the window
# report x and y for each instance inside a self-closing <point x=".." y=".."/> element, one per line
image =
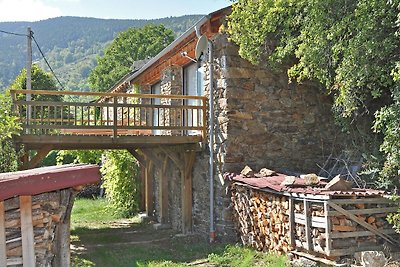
<point x="193" y="85"/>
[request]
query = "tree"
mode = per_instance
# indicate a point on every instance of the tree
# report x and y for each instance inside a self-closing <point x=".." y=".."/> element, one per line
<point x="41" y="80"/>
<point x="352" y="48"/>
<point x="129" y="46"/>
<point x="9" y="124"/>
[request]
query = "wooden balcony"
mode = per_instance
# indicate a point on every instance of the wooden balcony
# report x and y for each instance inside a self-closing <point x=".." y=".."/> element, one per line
<point x="91" y="120"/>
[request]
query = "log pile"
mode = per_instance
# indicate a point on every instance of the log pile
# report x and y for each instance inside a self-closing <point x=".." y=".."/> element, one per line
<point x="48" y="210"/>
<point x="332" y="224"/>
<point x="261" y="219"/>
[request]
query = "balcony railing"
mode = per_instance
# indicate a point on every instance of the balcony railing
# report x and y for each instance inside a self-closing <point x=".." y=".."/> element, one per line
<point x="109" y="113"/>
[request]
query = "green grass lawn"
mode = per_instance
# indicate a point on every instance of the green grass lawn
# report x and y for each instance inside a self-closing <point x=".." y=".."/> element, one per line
<point x="100" y="238"/>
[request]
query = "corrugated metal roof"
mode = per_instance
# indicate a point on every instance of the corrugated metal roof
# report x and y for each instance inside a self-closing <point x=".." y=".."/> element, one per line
<point x="46" y="179"/>
<point x="275" y="183"/>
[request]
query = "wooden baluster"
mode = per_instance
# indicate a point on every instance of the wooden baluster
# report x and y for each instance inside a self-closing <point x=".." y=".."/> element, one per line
<point x="62" y="114"/>
<point x="101" y="116"/>
<point x="108" y="116"/>
<point x="82" y="115"/>
<point x="115" y="117"/>
<point x="129" y="116"/>
<point x="134" y="116"/>
<point x="41" y="116"/>
<point x="75" y="115"/>
<point x="88" y="115"/>
<point x="192" y="116"/>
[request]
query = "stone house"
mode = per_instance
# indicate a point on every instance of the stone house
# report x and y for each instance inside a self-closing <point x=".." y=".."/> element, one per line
<point x="261" y="120"/>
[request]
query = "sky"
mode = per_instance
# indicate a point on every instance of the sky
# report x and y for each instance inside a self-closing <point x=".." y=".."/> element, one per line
<point x="34" y="10"/>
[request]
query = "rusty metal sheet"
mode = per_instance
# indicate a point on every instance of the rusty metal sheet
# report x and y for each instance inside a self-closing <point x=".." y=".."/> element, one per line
<point x="46" y="179"/>
<point x="299" y="187"/>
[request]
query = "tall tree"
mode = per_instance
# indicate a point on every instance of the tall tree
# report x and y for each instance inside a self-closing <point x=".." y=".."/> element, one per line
<point x="41" y="80"/>
<point x="129" y="46"/>
<point x="9" y="123"/>
<point x="350" y="47"/>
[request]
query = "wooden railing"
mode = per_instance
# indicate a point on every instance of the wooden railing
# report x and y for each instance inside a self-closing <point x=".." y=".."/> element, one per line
<point x="109" y="113"/>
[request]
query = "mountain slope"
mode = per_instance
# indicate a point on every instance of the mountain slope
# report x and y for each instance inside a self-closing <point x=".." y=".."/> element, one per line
<point x="71" y="44"/>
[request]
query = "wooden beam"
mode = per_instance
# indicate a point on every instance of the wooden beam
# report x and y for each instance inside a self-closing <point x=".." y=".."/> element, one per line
<point x="140" y="158"/>
<point x="28" y="241"/>
<point x="129" y="95"/>
<point x="149" y="189"/>
<point x="363" y="223"/>
<point x="34" y="142"/>
<point x="174" y="156"/>
<point x="307" y="215"/>
<point x="328" y="240"/>
<point x="292" y="226"/>
<point x="143" y="188"/>
<point x="152" y="156"/>
<point x="3" y="249"/>
<point x="190" y="157"/>
<point x="40" y="155"/>
<point x="63" y="252"/>
<point x="187" y="196"/>
<point x="163" y="193"/>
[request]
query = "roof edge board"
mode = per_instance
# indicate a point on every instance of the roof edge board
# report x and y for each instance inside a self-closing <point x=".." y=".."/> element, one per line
<point x="169" y="47"/>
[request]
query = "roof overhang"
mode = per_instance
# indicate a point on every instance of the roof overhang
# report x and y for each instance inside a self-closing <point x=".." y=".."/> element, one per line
<point x="208" y="25"/>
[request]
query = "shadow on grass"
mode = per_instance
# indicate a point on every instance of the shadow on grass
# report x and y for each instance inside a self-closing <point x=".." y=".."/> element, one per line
<point x="137" y="244"/>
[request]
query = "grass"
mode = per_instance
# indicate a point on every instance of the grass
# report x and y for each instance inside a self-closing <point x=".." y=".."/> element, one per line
<point x="100" y="238"/>
<point x="91" y="214"/>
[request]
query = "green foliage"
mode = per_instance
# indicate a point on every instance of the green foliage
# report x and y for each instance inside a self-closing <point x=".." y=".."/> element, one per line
<point x="79" y="156"/>
<point x="388" y="122"/>
<point x="394" y="218"/>
<point x="41" y="80"/>
<point x="9" y="124"/>
<point x="235" y="255"/>
<point x="129" y="46"/>
<point x="78" y="262"/>
<point x="350" y="47"/>
<point x="8" y="156"/>
<point x="121" y="182"/>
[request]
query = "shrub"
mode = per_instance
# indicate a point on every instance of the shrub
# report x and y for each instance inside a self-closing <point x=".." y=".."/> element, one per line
<point x="121" y="182"/>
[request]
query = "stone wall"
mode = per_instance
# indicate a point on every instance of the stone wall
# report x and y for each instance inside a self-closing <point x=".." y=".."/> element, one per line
<point x="265" y="121"/>
<point x="261" y="121"/>
<point x="171" y="84"/>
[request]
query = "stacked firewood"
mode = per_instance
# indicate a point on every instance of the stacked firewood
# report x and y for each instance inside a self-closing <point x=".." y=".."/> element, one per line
<point x="47" y="212"/>
<point x="261" y="219"/>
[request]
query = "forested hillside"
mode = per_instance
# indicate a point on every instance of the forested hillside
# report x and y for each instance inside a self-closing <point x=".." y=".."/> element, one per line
<point x="71" y="44"/>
